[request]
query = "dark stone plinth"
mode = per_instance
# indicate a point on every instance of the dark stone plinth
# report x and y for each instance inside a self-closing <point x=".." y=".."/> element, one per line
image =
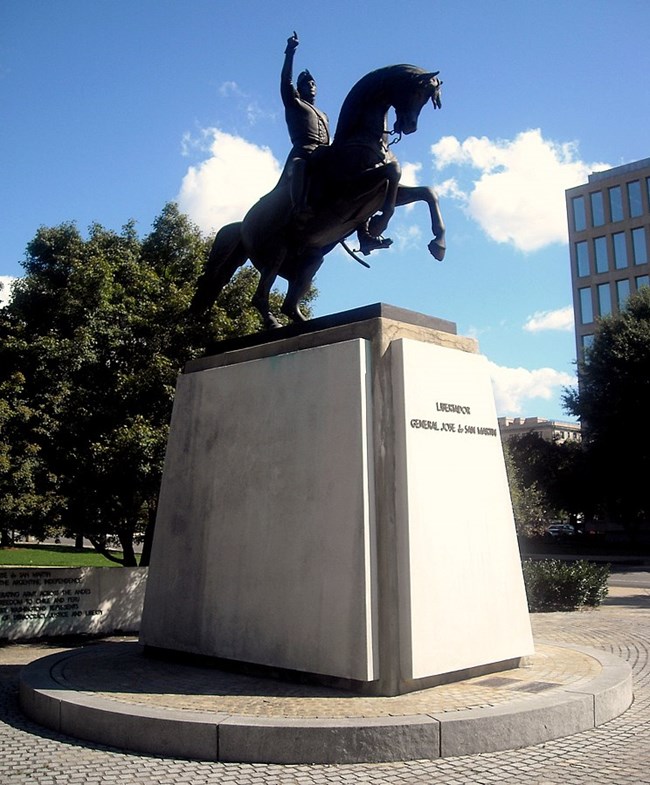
<point x="374" y="311"/>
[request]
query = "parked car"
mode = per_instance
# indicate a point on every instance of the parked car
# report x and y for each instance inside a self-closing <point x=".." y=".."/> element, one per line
<point x="560" y="530"/>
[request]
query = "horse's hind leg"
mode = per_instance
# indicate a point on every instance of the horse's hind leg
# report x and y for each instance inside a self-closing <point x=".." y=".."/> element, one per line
<point x="268" y="273"/>
<point x="299" y="285"/>
<point x="226" y="255"/>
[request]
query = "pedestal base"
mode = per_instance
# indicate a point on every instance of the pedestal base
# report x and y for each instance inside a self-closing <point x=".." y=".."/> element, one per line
<point x="336" y="503"/>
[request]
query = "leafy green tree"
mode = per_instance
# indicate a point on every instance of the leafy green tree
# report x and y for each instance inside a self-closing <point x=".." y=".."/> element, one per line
<point x="27" y="498"/>
<point x="528" y="506"/>
<point x="93" y="338"/>
<point x="611" y="402"/>
<point x="553" y="474"/>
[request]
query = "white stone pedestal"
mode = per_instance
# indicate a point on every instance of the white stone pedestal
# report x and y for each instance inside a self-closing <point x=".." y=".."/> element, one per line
<point x="336" y="503"/>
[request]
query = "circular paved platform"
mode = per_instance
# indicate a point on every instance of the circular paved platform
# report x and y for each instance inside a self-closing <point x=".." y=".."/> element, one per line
<point x="110" y="693"/>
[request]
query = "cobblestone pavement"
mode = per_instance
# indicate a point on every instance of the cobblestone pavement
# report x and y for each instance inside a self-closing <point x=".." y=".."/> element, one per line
<point x="617" y="753"/>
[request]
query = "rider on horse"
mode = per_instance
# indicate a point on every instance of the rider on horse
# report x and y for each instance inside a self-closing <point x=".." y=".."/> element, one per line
<point x="308" y="129"/>
<point x="308" y="126"/>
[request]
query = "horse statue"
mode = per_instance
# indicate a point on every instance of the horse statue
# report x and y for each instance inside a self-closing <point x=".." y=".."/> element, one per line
<point x="352" y="182"/>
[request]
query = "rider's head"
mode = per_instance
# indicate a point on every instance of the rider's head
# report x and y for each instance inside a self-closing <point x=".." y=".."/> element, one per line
<point x="306" y="86"/>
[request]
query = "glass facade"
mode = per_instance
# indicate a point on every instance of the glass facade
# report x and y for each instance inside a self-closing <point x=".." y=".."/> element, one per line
<point x="582" y="259"/>
<point x="597" y="209"/>
<point x="634" y="198"/>
<point x="638" y="246"/>
<point x="620" y="250"/>
<point x="600" y="254"/>
<point x="586" y="307"/>
<point x="642" y="280"/>
<point x="609" y="235"/>
<point x="579" y="215"/>
<point x="615" y="203"/>
<point x="604" y="299"/>
<point x="622" y="293"/>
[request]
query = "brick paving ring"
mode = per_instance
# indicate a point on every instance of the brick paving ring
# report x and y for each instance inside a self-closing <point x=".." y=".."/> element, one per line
<point x="111" y="694"/>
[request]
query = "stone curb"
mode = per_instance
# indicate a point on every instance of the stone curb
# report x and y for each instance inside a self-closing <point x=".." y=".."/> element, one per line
<point x="233" y="738"/>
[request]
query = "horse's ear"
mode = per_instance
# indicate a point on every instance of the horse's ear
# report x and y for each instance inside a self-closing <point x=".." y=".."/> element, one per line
<point x="426" y="79"/>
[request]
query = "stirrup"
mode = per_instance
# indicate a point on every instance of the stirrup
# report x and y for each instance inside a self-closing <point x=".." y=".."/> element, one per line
<point x="368" y="243"/>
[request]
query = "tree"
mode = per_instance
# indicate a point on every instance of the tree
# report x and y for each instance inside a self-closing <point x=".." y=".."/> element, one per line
<point x="611" y="402"/>
<point x="27" y="498"/>
<point x="92" y="341"/>
<point x="527" y="500"/>
<point x="552" y="474"/>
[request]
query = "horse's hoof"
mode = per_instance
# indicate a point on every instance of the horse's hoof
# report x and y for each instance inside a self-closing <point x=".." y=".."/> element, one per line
<point x="436" y="250"/>
<point x="295" y="314"/>
<point x="270" y="322"/>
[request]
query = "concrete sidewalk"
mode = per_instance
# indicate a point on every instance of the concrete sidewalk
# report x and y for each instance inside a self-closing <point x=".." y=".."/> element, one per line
<point x="616" y="752"/>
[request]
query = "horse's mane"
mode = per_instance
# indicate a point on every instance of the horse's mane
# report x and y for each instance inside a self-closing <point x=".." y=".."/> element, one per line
<point x="370" y="87"/>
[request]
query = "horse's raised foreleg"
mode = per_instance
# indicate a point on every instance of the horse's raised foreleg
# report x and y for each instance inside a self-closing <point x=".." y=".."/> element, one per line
<point x="379" y="223"/>
<point x="422" y="193"/>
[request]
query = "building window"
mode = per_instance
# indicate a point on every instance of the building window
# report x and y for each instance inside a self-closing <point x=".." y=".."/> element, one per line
<point x="622" y="293"/>
<point x="600" y="254"/>
<point x="634" y="198"/>
<point x="615" y="203"/>
<point x="638" y="246"/>
<point x="620" y="250"/>
<point x="586" y="308"/>
<point x="597" y="209"/>
<point x="579" y="216"/>
<point x="642" y="280"/>
<point x="582" y="259"/>
<point x="604" y="299"/>
<point x="587" y="341"/>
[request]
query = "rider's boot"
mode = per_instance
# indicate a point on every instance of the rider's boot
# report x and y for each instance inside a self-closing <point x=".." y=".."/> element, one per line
<point x="368" y="243"/>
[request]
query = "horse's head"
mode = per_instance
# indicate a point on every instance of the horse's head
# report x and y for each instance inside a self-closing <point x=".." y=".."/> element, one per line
<point x="412" y="96"/>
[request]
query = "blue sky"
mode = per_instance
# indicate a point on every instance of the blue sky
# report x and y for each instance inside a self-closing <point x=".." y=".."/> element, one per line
<point x="111" y="108"/>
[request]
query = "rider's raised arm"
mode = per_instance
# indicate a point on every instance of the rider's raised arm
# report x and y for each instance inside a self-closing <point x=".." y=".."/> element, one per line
<point x="287" y="90"/>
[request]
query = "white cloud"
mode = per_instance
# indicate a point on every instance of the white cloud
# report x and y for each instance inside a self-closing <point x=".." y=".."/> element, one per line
<point x="225" y="185"/>
<point x="410" y="177"/>
<point x="247" y="106"/>
<point x="5" y="290"/>
<point x="561" y="319"/>
<point x="410" y="174"/>
<point x="407" y="237"/>
<point x="518" y="197"/>
<point x="226" y="89"/>
<point x="514" y="387"/>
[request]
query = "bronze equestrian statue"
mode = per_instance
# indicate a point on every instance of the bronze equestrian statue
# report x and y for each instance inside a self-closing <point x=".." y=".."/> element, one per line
<point x="352" y="183"/>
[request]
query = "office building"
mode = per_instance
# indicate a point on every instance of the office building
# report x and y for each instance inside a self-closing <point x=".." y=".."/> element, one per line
<point x="609" y="239"/>
<point x="550" y="430"/>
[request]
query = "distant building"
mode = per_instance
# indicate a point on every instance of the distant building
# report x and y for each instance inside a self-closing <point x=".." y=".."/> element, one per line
<point x="609" y="240"/>
<point x="551" y="430"/>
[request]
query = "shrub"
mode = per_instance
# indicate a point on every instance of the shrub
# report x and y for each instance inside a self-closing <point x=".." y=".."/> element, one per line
<point x="553" y="585"/>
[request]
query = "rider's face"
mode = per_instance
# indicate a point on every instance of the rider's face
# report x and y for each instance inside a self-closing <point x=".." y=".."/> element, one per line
<point x="307" y="90"/>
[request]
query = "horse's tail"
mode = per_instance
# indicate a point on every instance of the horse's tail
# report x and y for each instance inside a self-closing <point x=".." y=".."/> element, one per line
<point x="226" y="255"/>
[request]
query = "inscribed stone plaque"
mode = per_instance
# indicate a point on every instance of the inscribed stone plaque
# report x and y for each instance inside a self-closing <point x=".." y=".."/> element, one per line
<point x="462" y="596"/>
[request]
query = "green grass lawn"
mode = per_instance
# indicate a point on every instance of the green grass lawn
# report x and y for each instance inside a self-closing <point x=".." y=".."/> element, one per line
<point x="52" y="556"/>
